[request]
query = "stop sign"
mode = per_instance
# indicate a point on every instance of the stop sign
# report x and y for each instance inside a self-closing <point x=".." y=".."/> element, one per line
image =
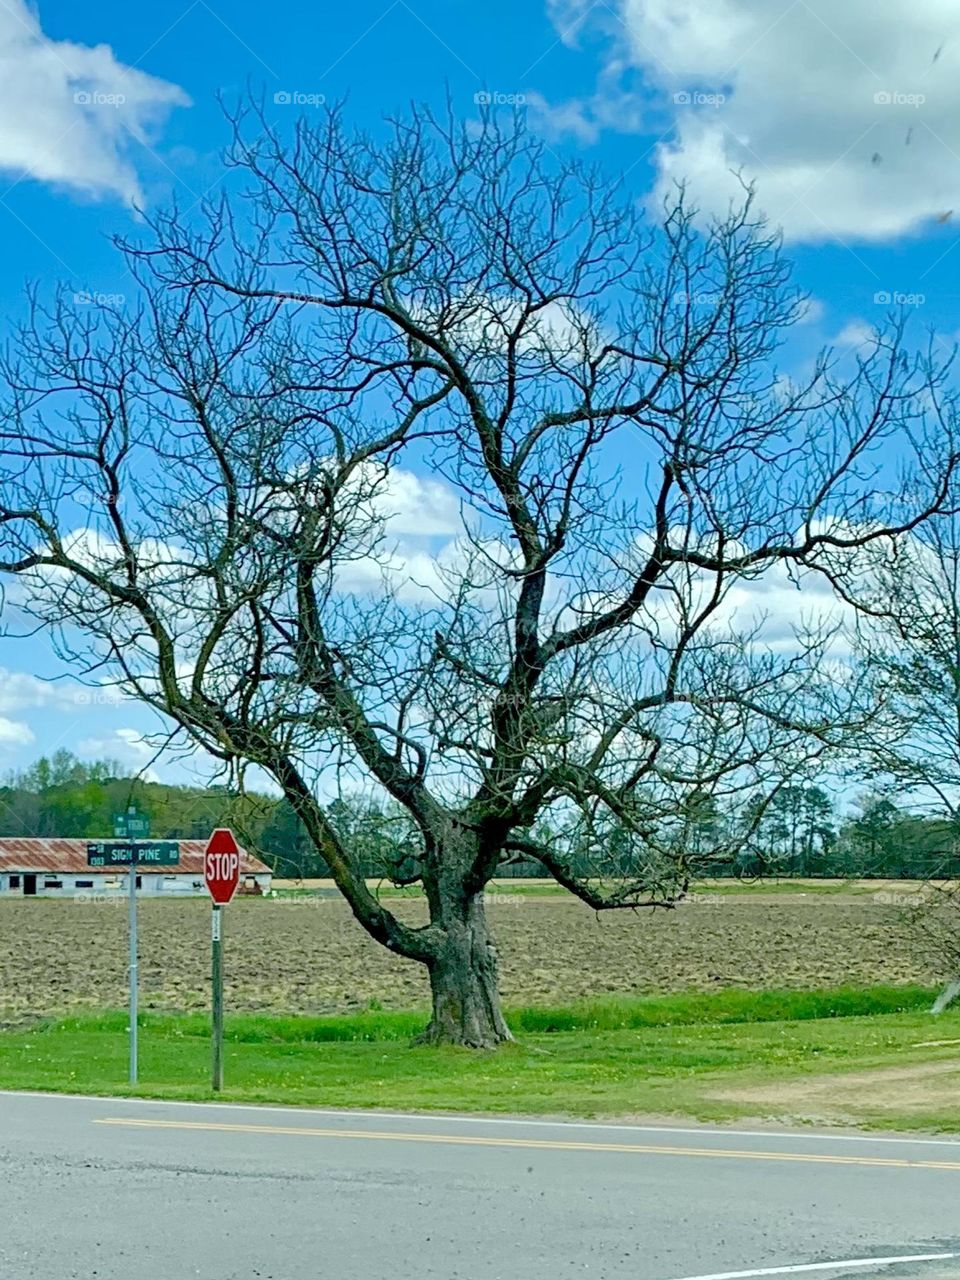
<point x="221" y="866"/>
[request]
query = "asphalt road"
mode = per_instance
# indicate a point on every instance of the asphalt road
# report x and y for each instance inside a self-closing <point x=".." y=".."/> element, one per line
<point x="108" y="1189"/>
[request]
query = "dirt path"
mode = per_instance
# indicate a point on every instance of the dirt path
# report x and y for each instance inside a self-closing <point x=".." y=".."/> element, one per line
<point x="839" y="1098"/>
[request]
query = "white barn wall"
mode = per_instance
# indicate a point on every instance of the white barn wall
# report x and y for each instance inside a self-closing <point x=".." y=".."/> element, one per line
<point x="59" y="868"/>
<point x="113" y="885"/>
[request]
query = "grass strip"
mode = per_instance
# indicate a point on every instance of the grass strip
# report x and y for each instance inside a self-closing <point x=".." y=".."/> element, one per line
<point x="692" y="1056"/>
<point x="617" y="1013"/>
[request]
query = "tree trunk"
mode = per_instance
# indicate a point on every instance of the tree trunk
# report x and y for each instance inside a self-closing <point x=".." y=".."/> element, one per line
<point x="463" y="980"/>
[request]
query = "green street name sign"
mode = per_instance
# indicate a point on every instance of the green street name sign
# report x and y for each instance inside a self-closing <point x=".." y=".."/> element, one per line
<point x="145" y="853"/>
<point x="131" y="826"/>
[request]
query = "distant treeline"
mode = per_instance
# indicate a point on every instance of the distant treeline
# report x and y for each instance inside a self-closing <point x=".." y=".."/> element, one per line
<point x="62" y="796"/>
<point x="801" y="834"/>
<point x="797" y="833"/>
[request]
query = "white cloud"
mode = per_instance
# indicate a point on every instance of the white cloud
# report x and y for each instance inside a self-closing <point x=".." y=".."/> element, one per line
<point x="396" y="498"/>
<point x="413" y="504"/>
<point x="418" y="577"/>
<point x="71" y="113"/>
<point x="129" y="746"/>
<point x="569" y="17"/>
<point x="813" y="311"/>
<point x="856" y="334"/>
<point x="14" y="733"/>
<point x="847" y="116"/>
<point x="778" y="608"/>
<point x="411" y="575"/>
<point x="136" y="743"/>
<point x="777" y="611"/>
<point x="18" y="690"/>
<point x="564" y="119"/>
<point x="408" y="509"/>
<point x="480" y="324"/>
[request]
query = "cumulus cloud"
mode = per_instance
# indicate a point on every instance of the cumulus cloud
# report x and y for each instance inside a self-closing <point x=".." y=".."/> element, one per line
<point x="564" y="119"/>
<point x="856" y="334"/>
<point x="411" y="575"/>
<point x="412" y="519"/>
<point x="419" y="577"/>
<point x="776" y="608"/>
<point x="19" y="689"/>
<point x="14" y="733"/>
<point x="481" y="324"/>
<point x="129" y="746"/>
<point x="812" y="311"/>
<point x="847" y="117"/>
<point x="412" y="504"/>
<point x="73" y="114"/>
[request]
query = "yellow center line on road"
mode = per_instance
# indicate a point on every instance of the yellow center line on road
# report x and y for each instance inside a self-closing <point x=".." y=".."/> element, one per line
<point x="528" y="1144"/>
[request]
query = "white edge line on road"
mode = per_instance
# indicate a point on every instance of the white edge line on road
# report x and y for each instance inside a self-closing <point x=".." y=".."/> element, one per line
<point x="847" y="1265"/>
<point x="706" y="1131"/>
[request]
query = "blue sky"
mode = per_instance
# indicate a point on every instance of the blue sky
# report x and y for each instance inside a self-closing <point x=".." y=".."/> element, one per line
<point x="849" y="122"/>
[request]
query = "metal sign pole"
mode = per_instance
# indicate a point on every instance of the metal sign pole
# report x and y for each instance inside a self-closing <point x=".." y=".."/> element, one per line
<point x="217" y="975"/>
<point x="221" y="873"/>
<point x="134" y="967"/>
<point x="131" y="847"/>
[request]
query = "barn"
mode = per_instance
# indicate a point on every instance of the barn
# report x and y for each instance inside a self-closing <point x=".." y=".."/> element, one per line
<point x="32" y="867"/>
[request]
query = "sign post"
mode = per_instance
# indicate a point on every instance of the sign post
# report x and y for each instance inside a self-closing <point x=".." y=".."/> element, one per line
<point x="127" y="851"/>
<point x="216" y="935"/>
<point x="134" y="968"/>
<point x="126" y="825"/>
<point x="221" y="873"/>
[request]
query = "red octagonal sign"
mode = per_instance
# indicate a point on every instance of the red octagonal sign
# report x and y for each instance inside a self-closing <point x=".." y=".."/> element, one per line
<point x="221" y="866"/>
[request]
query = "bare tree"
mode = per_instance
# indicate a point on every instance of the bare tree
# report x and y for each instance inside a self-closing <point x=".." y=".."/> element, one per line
<point x="907" y="595"/>
<point x="934" y="919"/>
<point x="202" y="492"/>
<point x="907" y="638"/>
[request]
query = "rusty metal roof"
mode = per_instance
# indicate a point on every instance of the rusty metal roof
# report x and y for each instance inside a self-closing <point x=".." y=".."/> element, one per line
<point x="69" y="857"/>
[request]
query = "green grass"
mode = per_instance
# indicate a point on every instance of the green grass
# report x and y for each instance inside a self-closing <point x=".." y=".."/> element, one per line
<point x="737" y="887"/>
<point x="384" y="889"/>
<point x="617" y="1013"/>
<point x="725" y="887"/>
<point x="666" y="1056"/>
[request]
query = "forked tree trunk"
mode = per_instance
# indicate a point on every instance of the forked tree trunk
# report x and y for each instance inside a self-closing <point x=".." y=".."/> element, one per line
<point x="463" y="981"/>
